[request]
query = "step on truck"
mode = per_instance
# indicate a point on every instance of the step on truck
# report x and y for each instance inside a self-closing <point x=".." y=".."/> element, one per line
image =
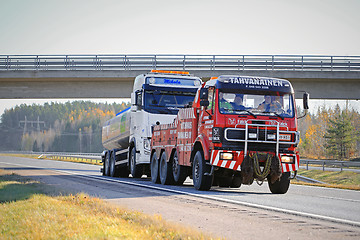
<point x="238" y="129"/>
<point x="156" y="98"/>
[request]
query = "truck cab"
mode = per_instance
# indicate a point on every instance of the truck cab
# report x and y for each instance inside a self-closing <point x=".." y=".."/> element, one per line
<point x="156" y="99"/>
<point x="248" y="120"/>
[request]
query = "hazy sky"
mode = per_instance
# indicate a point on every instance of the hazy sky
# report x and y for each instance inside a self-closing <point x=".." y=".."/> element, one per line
<point x="328" y="27"/>
<point x="322" y="27"/>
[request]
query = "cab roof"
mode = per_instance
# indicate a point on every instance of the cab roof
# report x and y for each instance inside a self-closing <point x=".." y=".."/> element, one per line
<point x="229" y="82"/>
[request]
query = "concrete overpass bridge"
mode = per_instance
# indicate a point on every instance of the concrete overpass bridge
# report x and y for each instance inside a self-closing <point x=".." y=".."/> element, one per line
<point x="111" y="76"/>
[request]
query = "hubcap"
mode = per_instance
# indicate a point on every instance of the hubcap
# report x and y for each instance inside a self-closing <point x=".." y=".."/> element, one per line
<point x="197" y="170"/>
<point x="132" y="162"/>
<point x="175" y="165"/>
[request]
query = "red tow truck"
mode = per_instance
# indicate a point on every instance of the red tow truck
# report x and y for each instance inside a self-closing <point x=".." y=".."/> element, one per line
<point x="237" y="130"/>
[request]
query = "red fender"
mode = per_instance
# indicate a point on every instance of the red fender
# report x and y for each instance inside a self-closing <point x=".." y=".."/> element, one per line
<point x="205" y="143"/>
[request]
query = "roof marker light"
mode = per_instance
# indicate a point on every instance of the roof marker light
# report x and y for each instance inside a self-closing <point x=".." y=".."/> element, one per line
<point x="172" y="72"/>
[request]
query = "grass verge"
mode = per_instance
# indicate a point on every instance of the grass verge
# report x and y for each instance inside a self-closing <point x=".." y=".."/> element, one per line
<point x="344" y="179"/>
<point x="28" y="212"/>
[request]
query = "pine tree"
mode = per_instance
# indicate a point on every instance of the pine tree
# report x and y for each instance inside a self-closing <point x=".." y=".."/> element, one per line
<point x="340" y="136"/>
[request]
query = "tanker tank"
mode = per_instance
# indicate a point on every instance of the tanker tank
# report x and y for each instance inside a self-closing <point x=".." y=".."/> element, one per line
<point x="116" y="131"/>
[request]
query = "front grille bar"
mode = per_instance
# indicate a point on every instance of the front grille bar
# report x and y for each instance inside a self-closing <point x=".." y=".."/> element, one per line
<point x="266" y="141"/>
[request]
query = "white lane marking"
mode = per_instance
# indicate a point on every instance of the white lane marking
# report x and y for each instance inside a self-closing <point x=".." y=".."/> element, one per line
<point x="254" y="205"/>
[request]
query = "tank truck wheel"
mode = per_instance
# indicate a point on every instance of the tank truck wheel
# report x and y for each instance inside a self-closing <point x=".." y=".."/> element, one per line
<point x="106" y="164"/>
<point x="165" y="171"/>
<point x="112" y="167"/>
<point x="201" y="182"/>
<point x="154" y="168"/>
<point x="280" y="186"/>
<point x="135" y="170"/>
<point x="178" y="171"/>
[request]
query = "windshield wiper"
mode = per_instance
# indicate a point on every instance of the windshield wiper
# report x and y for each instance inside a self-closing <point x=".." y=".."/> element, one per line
<point x="251" y="113"/>
<point x="282" y="118"/>
<point x="168" y="110"/>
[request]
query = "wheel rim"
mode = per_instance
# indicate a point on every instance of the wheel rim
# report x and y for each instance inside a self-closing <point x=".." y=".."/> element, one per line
<point x="132" y="162"/>
<point x="112" y="165"/>
<point x="163" y="167"/>
<point x="153" y="165"/>
<point x="197" y="170"/>
<point x="107" y="165"/>
<point x="175" y="165"/>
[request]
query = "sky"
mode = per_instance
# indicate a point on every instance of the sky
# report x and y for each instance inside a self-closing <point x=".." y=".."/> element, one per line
<point x="226" y="27"/>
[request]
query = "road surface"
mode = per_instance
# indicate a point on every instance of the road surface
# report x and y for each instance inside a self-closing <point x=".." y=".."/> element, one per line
<point x="250" y="212"/>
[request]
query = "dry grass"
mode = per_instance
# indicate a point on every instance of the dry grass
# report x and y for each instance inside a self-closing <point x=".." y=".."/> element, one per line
<point x="34" y="215"/>
<point x="344" y="179"/>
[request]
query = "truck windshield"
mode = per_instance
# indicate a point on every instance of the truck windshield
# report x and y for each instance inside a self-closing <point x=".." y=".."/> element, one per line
<point x="276" y="104"/>
<point x="166" y="102"/>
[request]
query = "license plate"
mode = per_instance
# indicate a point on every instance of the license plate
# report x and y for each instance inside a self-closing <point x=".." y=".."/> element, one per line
<point x="284" y="137"/>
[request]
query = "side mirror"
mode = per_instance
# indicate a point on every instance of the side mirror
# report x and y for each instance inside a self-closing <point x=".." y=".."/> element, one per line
<point x="204" y="93"/>
<point x="305" y="104"/>
<point x="306" y="100"/>
<point x="138" y="99"/>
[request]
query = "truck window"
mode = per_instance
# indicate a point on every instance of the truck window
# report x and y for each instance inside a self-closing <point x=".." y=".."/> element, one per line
<point x="272" y="103"/>
<point x="167" y="102"/>
<point x="211" y="99"/>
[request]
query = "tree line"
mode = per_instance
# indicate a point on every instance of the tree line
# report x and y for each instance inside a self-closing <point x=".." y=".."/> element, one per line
<point x="330" y="134"/>
<point x="76" y="127"/>
<point x="60" y="127"/>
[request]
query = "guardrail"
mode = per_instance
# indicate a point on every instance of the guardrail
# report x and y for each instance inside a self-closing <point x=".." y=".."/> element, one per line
<point x="330" y="163"/>
<point x="84" y="157"/>
<point x="179" y="62"/>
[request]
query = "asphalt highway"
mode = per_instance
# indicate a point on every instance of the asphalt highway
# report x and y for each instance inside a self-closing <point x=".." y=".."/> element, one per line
<point x="336" y="211"/>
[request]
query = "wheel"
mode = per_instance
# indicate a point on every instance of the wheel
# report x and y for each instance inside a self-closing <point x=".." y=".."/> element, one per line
<point x="224" y="181"/>
<point x="201" y="181"/>
<point x="281" y="186"/>
<point x="179" y="172"/>
<point x="165" y="172"/>
<point x="135" y="170"/>
<point x="236" y="182"/>
<point x="154" y="168"/>
<point x="112" y="167"/>
<point x="106" y="164"/>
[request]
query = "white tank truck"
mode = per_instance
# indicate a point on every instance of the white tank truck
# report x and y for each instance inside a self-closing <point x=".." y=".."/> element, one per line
<point x="156" y="98"/>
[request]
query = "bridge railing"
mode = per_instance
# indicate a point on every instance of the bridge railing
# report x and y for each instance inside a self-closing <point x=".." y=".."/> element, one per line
<point x="180" y="62"/>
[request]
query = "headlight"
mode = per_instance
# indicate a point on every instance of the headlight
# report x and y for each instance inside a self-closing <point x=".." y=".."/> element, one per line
<point x="226" y="156"/>
<point x="288" y="159"/>
<point x="271" y="137"/>
<point x="252" y="135"/>
<point x="147" y="144"/>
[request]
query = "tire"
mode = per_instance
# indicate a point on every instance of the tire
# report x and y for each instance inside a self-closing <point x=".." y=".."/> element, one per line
<point x="236" y="182"/>
<point x="179" y="172"/>
<point x="154" y="168"/>
<point x="135" y="170"/>
<point x="201" y="182"/>
<point x="281" y="186"/>
<point x="224" y="181"/>
<point x="165" y="171"/>
<point x="106" y="164"/>
<point x="112" y="166"/>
